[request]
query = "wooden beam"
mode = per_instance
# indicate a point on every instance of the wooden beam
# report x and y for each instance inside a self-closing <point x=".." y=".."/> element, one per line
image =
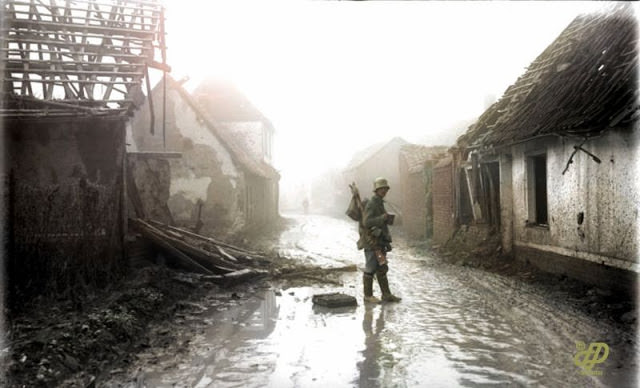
<point x="137" y="58"/>
<point x="64" y="44"/>
<point x="96" y="73"/>
<point x="71" y="65"/>
<point x="70" y="81"/>
<point x="86" y="19"/>
<point x="54" y="26"/>
<point x="159" y="240"/>
<point x="202" y="257"/>
<point x="72" y="35"/>
<point x="150" y="6"/>
<point x="155" y="155"/>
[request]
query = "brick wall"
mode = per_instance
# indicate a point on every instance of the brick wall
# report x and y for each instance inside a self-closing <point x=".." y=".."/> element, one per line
<point x="595" y="274"/>
<point x="443" y="203"/>
<point x="414" y="206"/>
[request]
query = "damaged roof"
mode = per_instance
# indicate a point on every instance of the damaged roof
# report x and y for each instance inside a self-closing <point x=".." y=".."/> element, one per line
<point x="256" y="167"/>
<point x="225" y="102"/>
<point x="416" y="155"/>
<point x="65" y="58"/>
<point x="362" y="156"/>
<point x="582" y="84"/>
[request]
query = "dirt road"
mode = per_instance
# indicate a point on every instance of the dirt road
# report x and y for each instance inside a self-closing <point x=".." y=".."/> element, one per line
<point x="456" y="326"/>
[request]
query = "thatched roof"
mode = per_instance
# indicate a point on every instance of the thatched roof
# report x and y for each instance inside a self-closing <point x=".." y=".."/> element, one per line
<point x="226" y="103"/>
<point x="238" y="152"/>
<point x="416" y="155"/>
<point x="582" y="84"/>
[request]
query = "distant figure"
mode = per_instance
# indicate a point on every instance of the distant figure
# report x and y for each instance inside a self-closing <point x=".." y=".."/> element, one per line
<point x="305" y="206"/>
<point x="377" y="242"/>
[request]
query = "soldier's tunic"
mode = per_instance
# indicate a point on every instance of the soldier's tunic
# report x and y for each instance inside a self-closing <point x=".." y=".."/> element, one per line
<point x="374" y="233"/>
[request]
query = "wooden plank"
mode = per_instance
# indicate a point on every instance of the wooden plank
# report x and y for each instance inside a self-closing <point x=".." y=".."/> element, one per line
<point x="182" y="259"/>
<point x="155" y="155"/>
<point x="58" y="104"/>
<point x="347" y="268"/>
<point x="153" y="8"/>
<point x="85" y="19"/>
<point x="45" y="64"/>
<point x="236" y="277"/>
<point x="71" y="81"/>
<point x="55" y="26"/>
<point x="208" y="239"/>
<point x="99" y="48"/>
<point x="97" y="73"/>
<point x="204" y="258"/>
<point x="47" y="34"/>
<point x="110" y="53"/>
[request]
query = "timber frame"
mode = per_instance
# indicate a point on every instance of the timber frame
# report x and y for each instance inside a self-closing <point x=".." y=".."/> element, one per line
<point x="77" y="57"/>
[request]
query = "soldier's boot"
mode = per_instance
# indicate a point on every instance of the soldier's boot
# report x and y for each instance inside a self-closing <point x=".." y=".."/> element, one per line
<point x="367" y="280"/>
<point x="383" y="281"/>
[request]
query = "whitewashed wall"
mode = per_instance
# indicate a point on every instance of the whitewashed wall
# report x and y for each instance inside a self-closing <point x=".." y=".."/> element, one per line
<point x="607" y="193"/>
<point x="206" y="171"/>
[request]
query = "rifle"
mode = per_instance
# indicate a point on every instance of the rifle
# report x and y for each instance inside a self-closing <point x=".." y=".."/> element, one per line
<point x="356" y="213"/>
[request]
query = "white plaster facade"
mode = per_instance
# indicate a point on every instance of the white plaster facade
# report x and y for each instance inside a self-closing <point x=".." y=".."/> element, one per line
<point x="206" y="172"/>
<point x="605" y="193"/>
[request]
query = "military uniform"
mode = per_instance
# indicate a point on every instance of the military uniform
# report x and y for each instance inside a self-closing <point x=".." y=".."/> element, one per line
<point x="376" y="241"/>
<point x="374" y="233"/>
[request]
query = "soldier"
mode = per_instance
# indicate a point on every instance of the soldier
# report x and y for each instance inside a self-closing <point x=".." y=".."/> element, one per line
<point x="376" y="240"/>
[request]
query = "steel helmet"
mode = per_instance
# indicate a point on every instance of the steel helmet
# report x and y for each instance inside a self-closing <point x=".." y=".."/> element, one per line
<point x="380" y="183"/>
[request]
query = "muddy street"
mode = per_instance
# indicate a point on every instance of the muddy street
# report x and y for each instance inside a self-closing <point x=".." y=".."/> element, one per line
<point x="456" y="326"/>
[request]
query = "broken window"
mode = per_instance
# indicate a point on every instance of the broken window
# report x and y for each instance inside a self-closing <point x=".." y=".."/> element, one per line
<point x="537" y="189"/>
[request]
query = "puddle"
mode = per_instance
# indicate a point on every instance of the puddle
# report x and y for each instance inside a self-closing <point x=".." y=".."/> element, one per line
<point x="444" y="333"/>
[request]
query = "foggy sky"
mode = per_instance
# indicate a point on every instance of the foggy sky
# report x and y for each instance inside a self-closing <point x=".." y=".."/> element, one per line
<point x="336" y="77"/>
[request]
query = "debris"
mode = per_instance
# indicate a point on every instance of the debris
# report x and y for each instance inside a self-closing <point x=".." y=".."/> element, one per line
<point x="222" y="263"/>
<point x="346" y="268"/>
<point x="335" y="299"/>
<point x="210" y="260"/>
<point x="236" y="277"/>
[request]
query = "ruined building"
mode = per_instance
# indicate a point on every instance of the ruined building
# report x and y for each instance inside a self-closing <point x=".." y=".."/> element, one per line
<point x="553" y="165"/>
<point x="219" y="179"/>
<point x="72" y="74"/>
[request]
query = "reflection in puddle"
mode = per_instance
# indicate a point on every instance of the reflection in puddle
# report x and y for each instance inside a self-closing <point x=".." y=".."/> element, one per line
<point x="315" y="348"/>
<point x="444" y="333"/>
<point x="368" y="367"/>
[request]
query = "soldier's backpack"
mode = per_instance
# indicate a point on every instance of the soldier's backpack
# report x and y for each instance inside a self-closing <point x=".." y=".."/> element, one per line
<point x="355" y="210"/>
